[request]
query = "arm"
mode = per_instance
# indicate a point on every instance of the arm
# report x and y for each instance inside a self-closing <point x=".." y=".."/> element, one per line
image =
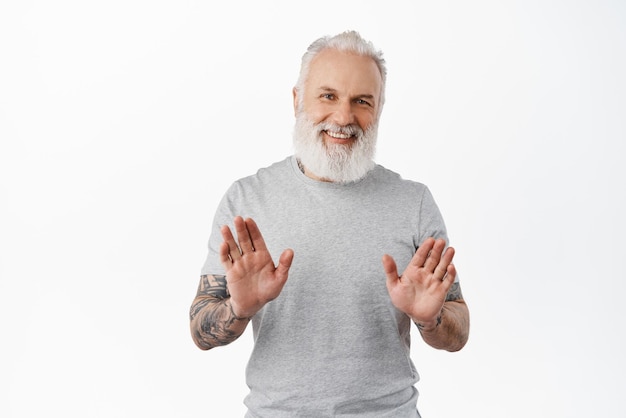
<point x="427" y="293"/>
<point x="213" y="322"/>
<point x="224" y="304"/>
<point x="450" y="330"/>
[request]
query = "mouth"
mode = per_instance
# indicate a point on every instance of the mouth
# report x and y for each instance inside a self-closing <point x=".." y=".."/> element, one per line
<point x="339" y="137"/>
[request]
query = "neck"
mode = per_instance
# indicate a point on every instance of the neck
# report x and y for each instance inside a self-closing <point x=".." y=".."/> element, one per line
<point x="309" y="174"/>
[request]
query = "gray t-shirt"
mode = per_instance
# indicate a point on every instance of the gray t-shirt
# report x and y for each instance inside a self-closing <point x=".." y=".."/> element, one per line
<point x="331" y="344"/>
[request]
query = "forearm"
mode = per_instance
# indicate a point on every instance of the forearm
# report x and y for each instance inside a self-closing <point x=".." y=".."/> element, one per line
<point x="212" y="320"/>
<point x="214" y="324"/>
<point x="450" y="330"/>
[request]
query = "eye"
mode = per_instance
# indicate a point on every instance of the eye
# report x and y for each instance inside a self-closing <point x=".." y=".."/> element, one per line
<point x="328" y="96"/>
<point x="363" y="102"/>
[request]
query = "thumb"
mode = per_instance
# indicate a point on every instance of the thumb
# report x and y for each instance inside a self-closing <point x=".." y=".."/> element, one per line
<point x="391" y="270"/>
<point x="284" y="263"/>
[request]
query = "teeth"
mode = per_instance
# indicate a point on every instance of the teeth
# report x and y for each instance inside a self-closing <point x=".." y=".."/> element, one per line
<point x="338" y="135"/>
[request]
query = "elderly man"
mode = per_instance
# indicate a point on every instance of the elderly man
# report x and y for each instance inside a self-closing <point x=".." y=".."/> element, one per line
<point x="331" y="315"/>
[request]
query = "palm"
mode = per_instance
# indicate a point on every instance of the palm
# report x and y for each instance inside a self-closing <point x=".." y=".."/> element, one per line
<point x="252" y="278"/>
<point x="420" y="291"/>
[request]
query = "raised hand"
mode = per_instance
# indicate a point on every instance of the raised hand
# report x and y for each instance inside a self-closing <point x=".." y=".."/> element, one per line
<point x="252" y="278"/>
<point x="420" y="291"/>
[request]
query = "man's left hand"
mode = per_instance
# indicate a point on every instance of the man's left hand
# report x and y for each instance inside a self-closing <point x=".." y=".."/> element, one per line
<point x="420" y="291"/>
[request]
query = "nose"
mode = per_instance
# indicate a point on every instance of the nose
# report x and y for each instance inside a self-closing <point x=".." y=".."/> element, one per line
<point x="343" y="114"/>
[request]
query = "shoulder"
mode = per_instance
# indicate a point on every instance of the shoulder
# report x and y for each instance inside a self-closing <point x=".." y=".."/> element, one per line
<point x="278" y="168"/>
<point x="403" y="192"/>
<point x="391" y="179"/>
<point x="265" y="175"/>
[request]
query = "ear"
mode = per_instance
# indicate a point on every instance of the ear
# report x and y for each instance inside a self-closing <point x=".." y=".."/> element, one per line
<point x="295" y="101"/>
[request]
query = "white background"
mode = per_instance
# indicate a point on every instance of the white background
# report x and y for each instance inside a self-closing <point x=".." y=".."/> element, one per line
<point x="123" y="122"/>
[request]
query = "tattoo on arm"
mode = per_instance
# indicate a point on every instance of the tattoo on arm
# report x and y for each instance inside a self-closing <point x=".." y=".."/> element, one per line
<point x="439" y="320"/>
<point x="213" y="286"/>
<point x="210" y="287"/>
<point x="211" y="314"/>
<point x="454" y="293"/>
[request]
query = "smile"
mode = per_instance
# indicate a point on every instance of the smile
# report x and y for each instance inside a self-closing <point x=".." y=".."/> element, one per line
<point x="338" y="135"/>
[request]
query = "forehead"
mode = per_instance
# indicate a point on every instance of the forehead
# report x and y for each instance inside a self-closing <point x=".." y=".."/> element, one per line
<point x="345" y="72"/>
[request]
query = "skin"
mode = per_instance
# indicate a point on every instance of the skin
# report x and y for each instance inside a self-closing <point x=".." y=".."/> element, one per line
<point x="426" y="292"/>
<point x="224" y="304"/>
<point x="344" y="89"/>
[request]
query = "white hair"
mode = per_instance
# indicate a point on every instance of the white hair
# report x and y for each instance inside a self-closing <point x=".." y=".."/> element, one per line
<point x="334" y="162"/>
<point x="349" y="41"/>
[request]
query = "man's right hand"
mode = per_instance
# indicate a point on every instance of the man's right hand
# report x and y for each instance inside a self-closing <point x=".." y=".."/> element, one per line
<point x="252" y="278"/>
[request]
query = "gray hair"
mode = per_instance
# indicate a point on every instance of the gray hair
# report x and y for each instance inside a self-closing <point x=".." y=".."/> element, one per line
<point x="349" y="41"/>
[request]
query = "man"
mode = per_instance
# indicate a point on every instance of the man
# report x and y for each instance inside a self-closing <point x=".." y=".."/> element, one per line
<point x="331" y="321"/>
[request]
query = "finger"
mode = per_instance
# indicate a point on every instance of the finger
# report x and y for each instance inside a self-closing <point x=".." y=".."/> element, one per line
<point x="258" y="243"/>
<point x="243" y="236"/>
<point x="448" y="255"/>
<point x="443" y="268"/>
<point x="432" y="262"/>
<point x="422" y="252"/>
<point x="450" y="274"/>
<point x="448" y="279"/>
<point x="284" y="263"/>
<point x="391" y="270"/>
<point x="229" y="239"/>
<point x="224" y="256"/>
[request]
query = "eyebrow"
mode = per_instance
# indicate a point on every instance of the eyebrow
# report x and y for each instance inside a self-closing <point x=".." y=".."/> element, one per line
<point x="327" y="89"/>
<point x="358" y="96"/>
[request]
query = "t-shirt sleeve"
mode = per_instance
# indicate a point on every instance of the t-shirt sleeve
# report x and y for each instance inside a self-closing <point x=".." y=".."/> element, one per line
<point x="431" y="223"/>
<point x="224" y="215"/>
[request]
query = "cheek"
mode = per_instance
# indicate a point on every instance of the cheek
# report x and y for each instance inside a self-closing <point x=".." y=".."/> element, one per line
<point x="365" y="120"/>
<point x="316" y="114"/>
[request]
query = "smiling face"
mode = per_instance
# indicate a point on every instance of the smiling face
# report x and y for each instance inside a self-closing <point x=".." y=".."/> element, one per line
<point x="341" y="88"/>
<point x="337" y="112"/>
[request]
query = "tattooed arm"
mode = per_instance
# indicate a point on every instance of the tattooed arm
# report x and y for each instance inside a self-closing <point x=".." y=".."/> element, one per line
<point x="219" y="317"/>
<point x="426" y="291"/>
<point x="213" y="322"/>
<point x="450" y="330"/>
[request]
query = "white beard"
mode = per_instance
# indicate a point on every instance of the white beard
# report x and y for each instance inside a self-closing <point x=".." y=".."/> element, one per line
<point x="334" y="162"/>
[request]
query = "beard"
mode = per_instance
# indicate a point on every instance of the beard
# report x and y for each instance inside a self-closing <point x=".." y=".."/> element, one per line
<point x="337" y="163"/>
